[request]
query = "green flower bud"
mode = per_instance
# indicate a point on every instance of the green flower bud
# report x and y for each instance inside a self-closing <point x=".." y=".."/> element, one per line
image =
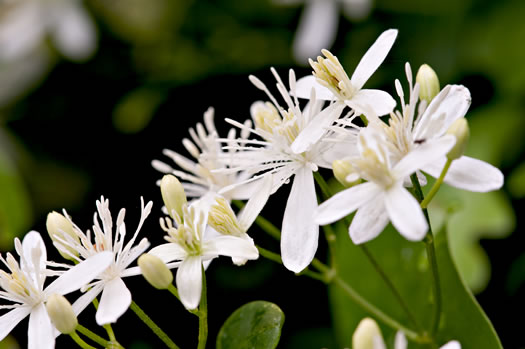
<point x="172" y="194"/>
<point x="365" y="334"/>
<point x="61" y="313"/>
<point x="428" y="83"/>
<point x="460" y="130"/>
<point x="57" y="225"/>
<point x="344" y="173"/>
<point x="155" y="271"/>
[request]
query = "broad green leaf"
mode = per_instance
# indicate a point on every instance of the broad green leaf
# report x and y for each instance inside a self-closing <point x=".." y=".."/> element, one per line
<point x="406" y="264"/>
<point x="255" y="325"/>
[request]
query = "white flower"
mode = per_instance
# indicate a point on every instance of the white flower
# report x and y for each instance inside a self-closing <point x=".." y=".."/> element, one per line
<point x="406" y="132"/>
<point x="331" y="81"/>
<point x="24" y="286"/>
<point x="190" y="243"/>
<point x="291" y="146"/>
<point x="116" y="297"/>
<point x="382" y="198"/>
<point x="199" y="178"/>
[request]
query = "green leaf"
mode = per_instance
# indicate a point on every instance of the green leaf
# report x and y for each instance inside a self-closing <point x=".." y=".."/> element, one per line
<point x="254" y="325"/>
<point x="516" y="182"/>
<point x="406" y="264"/>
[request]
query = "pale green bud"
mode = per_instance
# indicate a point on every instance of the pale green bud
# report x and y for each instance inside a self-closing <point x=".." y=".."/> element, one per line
<point x="61" y="313"/>
<point x="155" y="271"/>
<point x="344" y="172"/>
<point x="460" y="130"/>
<point x="172" y="194"/>
<point x="57" y="225"/>
<point x="428" y="83"/>
<point x="366" y="334"/>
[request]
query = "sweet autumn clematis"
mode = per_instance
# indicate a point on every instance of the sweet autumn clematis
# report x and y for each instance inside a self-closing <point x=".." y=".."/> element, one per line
<point x="24" y="287"/>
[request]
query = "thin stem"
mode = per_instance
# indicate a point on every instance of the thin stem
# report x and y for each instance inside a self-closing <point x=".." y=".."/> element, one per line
<point x="263" y="223"/>
<point x="79" y="341"/>
<point x="270" y="255"/>
<point x="431" y="254"/>
<point x="437" y="184"/>
<point x="173" y="290"/>
<point x="153" y="326"/>
<point x="107" y="327"/>
<point x="92" y="335"/>
<point x="203" y="314"/>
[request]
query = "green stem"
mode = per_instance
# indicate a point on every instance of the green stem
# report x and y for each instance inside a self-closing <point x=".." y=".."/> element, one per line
<point x="107" y="327"/>
<point x="153" y="326"/>
<point x="431" y="254"/>
<point x="79" y="341"/>
<point x="270" y="255"/>
<point x="203" y="314"/>
<point x="263" y="223"/>
<point x="437" y="184"/>
<point x="174" y="291"/>
<point x="92" y="335"/>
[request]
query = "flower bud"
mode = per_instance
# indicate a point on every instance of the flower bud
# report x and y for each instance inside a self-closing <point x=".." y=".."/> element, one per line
<point x="428" y="83"/>
<point x="172" y="194"/>
<point x="155" y="271"/>
<point x="366" y="335"/>
<point x="344" y="173"/>
<point x="57" y="225"/>
<point x="460" y="130"/>
<point x="61" y="313"/>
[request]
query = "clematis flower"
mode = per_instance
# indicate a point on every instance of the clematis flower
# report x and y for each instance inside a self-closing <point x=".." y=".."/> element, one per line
<point x="116" y="297"/>
<point x="331" y="81"/>
<point x="192" y="246"/>
<point x="24" y="287"/>
<point x="383" y="197"/>
<point x="291" y="147"/>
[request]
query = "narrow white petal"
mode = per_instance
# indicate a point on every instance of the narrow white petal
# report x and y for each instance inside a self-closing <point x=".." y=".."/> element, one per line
<point x="400" y="341"/>
<point x="311" y="134"/>
<point x="83" y="301"/>
<point x="9" y="320"/>
<point x="256" y="203"/>
<point x="373" y="58"/>
<point x="133" y="271"/>
<point x="316" y="30"/>
<point x="300" y="234"/>
<point x="346" y="202"/>
<point x="231" y="246"/>
<point x="468" y="174"/>
<point x="405" y="213"/>
<point x="81" y="274"/>
<point x="168" y="252"/>
<point x="451" y="345"/>
<point x="380" y="102"/>
<point x="304" y="86"/>
<point x="114" y="302"/>
<point x="429" y="152"/>
<point x="369" y="221"/>
<point x="189" y="282"/>
<point x="35" y="256"/>
<point x="40" y="332"/>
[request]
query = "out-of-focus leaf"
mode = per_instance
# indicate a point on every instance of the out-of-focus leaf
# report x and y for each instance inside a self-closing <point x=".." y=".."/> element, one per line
<point x="406" y="264"/>
<point x="516" y="277"/>
<point x="516" y="181"/>
<point x="310" y="338"/>
<point x="255" y="325"/>
<point x="15" y="208"/>
<point x="135" y="110"/>
<point x="9" y="342"/>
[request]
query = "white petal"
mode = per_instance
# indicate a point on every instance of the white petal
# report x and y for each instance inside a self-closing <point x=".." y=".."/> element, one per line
<point x="468" y="174"/>
<point x="168" y="252"/>
<point x="300" y="234"/>
<point x="405" y="213"/>
<point x="231" y="246"/>
<point x="189" y="282"/>
<point x="369" y="221"/>
<point x="449" y="105"/>
<point x="9" y="320"/>
<point x="40" y="332"/>
<point x="256" y="203"/>
<point x="373" y="58"/>
<point x="114" y="302"/>
<point x="81" y="274"/>
<point x="74" y="33"/>
<point x="346" y="202"/>
<point x="83" y="301"/>
<point x="451" y="345"/>
<point x="304" y="86"/>
<point x="133" y="271"/>
<point x="316" y="128"/>
<point x="35" y="255"/>
<point x="400" y="341"/>
<point x="380" y="102"/>
<point x="430" y="151"/>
